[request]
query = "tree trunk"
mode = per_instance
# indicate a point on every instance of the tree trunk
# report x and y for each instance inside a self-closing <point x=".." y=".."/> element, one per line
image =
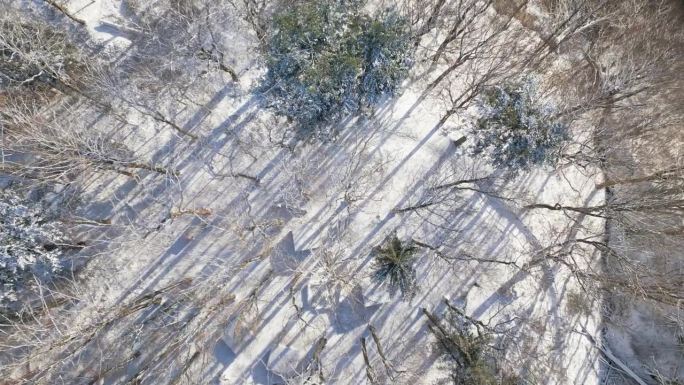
<point x="660" y="175"/>
<point x="66" y="12"/>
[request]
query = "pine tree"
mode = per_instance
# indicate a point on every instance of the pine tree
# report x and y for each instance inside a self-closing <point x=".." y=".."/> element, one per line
<point x="515" y="129"/>
<point x="394" y="266"/>
<point x="326" y="61"/>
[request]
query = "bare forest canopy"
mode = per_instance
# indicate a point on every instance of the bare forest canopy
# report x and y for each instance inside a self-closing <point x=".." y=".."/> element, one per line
<point x="468" y="192"/>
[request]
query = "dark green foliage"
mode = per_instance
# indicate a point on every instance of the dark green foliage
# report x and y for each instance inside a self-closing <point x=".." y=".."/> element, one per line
<point x="326" y="60"/>
<point x="394" y="265"/>
<point x="467" y="345"/>
<point x="385" y="49"/>
<point x="515" y="129"/>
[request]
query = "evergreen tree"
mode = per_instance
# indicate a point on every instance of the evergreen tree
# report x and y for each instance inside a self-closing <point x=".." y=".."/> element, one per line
<point x="394" y="265"/>
<point x="515" y="129"/>
<point x="326" y="60"/>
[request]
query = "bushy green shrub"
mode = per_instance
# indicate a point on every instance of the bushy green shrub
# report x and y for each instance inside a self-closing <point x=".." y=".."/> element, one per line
<point x="327" y="60"/>
<point x="394" y="266"/>
<point x="515" y="129"/>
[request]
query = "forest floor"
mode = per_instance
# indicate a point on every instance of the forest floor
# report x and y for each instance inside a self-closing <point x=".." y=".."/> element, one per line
<point x="268" y="244"/>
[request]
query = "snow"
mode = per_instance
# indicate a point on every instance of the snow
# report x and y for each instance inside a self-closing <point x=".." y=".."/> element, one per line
<point x="295" y="251"/>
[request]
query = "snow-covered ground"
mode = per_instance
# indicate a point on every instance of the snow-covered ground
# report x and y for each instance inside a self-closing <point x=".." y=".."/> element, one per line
<point x="283" y="256"/>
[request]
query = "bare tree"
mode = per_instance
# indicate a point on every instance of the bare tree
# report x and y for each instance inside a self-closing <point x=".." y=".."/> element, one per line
<point x="42" y="148"/>
<point x="35" y="56"/>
